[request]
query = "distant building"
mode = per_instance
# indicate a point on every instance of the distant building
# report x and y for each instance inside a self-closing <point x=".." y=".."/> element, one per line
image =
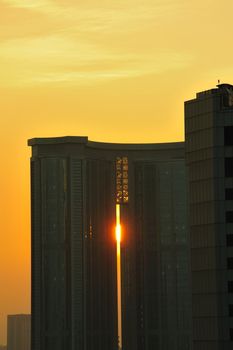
<point x="209" y="157"/>
<point x="18" y="332"/>
<point x="75" y="187"/>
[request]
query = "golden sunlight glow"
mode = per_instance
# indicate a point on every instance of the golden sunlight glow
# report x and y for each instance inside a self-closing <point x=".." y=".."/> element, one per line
<point x="119" y="308"/>
<point x="118" y="223"/>
<point x="118" y="233"/>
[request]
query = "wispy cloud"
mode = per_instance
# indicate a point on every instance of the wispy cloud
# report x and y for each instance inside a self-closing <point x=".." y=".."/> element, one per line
<point x="133" y="68"/>
<point x="122" y="17"/>
<point x="31" y="4"/>
<point x="87" y="45"/>
<point x="56" y="60"/>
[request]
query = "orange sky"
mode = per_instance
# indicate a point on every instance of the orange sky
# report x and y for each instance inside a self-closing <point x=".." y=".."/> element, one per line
<point x="112" y="70"/>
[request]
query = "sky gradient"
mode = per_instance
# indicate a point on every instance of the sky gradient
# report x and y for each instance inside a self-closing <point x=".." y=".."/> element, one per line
<point x="112" y="70"/>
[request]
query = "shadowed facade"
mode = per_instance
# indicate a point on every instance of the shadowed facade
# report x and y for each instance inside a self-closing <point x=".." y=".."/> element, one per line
<point x="74" y="301"/>
<point x="209" y="157"/>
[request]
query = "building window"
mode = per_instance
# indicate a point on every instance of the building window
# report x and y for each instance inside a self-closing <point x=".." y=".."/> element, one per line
<point x="230" y="240"/>
<point x="231" y="310"/>
<point x="229" y="193"/>
<point x="229" y="167"/>
<point x="229" y="216"/>
<point x="228" y="135"/>
<point x="231" y="334"/>
<point x="230" y="263"/>
<point x="230" y="286"/>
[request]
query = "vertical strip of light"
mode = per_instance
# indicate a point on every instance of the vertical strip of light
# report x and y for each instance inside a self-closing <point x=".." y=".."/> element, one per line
<point x="118" y="242"/>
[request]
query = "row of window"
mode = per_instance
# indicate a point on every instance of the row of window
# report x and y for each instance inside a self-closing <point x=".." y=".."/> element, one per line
<point x="228" y="140"/>
<point x="230" y="263"/>
<point x="229" y="240"/>
<point x="229" y="214"/>
<point x="229" y="194"/>
<point x="228" y="132"/>
<point x="229" y="167"/>
<point x="229" y="217"/>
<point x="231" y="334"/>
<point x="230" y="290"/>
<point x="230" y="286"/>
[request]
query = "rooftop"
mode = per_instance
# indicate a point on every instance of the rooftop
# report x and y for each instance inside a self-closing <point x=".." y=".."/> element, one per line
<point x="102" y="145"/>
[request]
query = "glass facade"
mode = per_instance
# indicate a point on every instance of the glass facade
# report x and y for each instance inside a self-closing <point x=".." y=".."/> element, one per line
<point x="76" y="184"/>
<point x="164" y="301"/>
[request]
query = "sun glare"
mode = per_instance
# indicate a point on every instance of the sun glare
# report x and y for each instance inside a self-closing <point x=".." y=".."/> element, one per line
<point x="118" y="243"/>
<point x="118" y="223"/>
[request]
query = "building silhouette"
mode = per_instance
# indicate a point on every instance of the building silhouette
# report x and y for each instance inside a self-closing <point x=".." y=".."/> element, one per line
<point x="74" y="192"/>
<point x="19" y="332"/>
<point x="209" y="157"/>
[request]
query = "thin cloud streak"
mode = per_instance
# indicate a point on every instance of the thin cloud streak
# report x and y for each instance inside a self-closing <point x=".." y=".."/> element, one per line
<point x="132" y="71"/>
<point x="102" y="18"/>
<point x="30" y="4"/>
<point x="54" y="61"/>
<point x="82" y="38"/>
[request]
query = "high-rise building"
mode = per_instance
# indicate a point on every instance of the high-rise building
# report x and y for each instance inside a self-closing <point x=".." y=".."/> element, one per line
<point x="76" y="184"/>
<point x="209" y="154"/>
<point x="19" y="332"/>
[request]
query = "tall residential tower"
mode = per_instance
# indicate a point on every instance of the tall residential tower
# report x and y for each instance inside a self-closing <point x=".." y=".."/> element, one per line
<point x="209" y="156"/>
<point x="76" y="184"/>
